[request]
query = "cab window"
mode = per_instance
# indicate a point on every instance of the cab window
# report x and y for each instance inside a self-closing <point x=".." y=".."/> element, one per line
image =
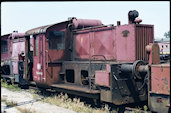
<point x="56" y="40"/>
<point x="4" y="46"/>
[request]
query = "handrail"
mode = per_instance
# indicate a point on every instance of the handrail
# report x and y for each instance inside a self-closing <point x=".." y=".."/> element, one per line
<point x="90" y="67"/>
<point x="46" y="51"/>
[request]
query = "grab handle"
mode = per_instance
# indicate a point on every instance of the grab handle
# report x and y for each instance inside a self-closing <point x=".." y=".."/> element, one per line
<point x="47" y="59"/>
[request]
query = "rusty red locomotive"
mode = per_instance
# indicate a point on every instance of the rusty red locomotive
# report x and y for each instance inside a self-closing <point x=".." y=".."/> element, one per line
<point x="105" y="62"/>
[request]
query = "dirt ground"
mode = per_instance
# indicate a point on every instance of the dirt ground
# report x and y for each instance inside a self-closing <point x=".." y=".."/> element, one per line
<point x="25" y="100"/>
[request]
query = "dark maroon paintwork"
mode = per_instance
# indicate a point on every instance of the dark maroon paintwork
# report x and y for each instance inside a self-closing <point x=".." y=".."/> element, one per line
<point x="48" y="73"/>
<point x="113" y="43"/>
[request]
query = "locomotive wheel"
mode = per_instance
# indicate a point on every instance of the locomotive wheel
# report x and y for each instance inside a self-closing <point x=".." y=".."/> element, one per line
<point x="135" y="68"/>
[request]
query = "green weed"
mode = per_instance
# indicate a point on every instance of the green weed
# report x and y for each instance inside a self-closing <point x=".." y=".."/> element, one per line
<point x="13" y="87"/>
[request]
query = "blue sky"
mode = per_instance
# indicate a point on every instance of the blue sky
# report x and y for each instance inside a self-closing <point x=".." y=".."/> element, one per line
<point x="23" y="16"/>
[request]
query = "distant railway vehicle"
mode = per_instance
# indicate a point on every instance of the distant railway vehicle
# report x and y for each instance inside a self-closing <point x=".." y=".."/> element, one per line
<point x="12" y="57"/>
<point x="164" y="49"/>
<point x="115" y="64"/>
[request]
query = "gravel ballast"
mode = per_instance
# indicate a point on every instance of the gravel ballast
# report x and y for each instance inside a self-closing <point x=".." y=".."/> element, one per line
<point x="25" y="100"/>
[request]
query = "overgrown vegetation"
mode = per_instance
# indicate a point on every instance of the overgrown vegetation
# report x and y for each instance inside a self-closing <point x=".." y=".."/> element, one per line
<point x="75" y="104"/>
<point x="145" y="108"/>
<point x="13" y="87"/>
<point x="25" y="110"/>
<point x="140" y="110"/>
<point x="3" y="99"/>
<point x="63" y="100"/>
<point x="10" y="103"/>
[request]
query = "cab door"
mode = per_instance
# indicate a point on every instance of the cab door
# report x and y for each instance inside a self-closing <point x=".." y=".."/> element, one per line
<point x="39" y="58"/>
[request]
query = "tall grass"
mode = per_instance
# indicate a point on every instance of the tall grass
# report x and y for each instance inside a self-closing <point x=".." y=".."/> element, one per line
<point x="75" y="104"/>
<point x="3" y="99"/>
<point x="62" y="100"/>
<point x="26" y="110"/>
<point x="11" y="103"/>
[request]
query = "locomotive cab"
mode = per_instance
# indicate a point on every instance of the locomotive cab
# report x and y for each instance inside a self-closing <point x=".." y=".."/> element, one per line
<point x="48" y="52"/>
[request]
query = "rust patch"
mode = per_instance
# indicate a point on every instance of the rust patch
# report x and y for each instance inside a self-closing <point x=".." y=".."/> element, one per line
<point x="165" y="81"/>
<point x="156" y="79"/>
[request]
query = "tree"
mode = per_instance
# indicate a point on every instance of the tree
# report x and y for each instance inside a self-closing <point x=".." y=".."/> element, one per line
<point x="167" y="34"/>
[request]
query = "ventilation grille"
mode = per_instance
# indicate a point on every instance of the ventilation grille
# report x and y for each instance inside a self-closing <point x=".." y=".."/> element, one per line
<point x="144" y="36"/>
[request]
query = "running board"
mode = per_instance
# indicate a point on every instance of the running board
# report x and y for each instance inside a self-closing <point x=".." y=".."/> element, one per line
<point x="76" y="90"/>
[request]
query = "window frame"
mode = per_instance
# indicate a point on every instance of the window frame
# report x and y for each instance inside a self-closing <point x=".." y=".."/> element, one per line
<point x="56" y="41"/>
<point x="4" y="48"/>
<point x="36" y="45"/>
